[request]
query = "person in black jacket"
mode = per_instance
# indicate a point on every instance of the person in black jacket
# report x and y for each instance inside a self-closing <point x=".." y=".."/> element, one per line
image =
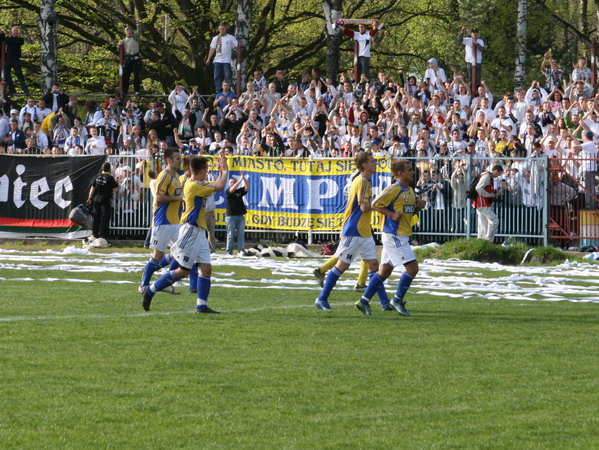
<point x="169" y="122"/>
<point x="235" y="215"/>
<point x="56" y="99"/>
<point x="100" y="199"/>
<point x="13" y="42"/>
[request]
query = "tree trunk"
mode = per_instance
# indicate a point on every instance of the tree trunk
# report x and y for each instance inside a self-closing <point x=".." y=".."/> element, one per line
<point x="242" y="33"/>
<point x="522" y="22"/>
<point x="48" y="23"/>
<point x="332" y="12"/>
<point x="584" y="22"/>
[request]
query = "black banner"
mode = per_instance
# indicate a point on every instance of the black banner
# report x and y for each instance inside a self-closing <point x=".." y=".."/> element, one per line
<point x="37" y="193"/>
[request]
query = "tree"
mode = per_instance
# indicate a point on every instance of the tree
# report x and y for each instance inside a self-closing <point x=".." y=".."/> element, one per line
<point x="521" y="43"/>
<point x="48" y="23"/>
<point x="243" y="23"/>
<point x="332" y="12"/>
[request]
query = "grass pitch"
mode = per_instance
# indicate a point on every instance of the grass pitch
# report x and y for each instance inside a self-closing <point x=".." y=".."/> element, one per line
<point x="84" y="367"/>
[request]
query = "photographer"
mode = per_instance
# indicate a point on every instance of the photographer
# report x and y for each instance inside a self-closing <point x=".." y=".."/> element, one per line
<point x="488" y="223"/>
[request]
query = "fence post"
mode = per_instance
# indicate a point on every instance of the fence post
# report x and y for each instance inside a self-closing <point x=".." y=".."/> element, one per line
<point x="546" y="202"/>
<point x="121" y="69"/>
<point x="469" y="203"/>
<point x="594" y="62"/>
<point x="2" y="68"/>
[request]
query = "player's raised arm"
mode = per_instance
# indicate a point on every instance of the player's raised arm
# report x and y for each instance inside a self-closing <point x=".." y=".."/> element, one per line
<point x="223" y="173"/>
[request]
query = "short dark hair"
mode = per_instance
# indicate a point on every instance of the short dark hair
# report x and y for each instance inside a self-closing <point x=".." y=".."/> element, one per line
<point x="106" y="167"/>
<point x="198" y="163"/>
<point x="168" y="153"/>
<point x="400" y="165"/>
<point x="497" y="167"/>
<point x="361" y="159"/>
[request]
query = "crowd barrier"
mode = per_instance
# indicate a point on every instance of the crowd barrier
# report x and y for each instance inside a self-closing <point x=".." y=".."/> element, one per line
<point x="542" y="199"/>
<point x="303" y="200"/>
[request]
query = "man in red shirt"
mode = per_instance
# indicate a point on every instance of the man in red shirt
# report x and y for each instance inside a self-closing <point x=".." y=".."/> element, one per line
<point x="486" y="194"/>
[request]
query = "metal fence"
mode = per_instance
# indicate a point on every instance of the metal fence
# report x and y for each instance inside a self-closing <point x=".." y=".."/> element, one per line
<point x="523" y="207"/>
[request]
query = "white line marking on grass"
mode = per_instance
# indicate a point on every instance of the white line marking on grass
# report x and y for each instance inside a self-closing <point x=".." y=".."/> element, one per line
<point x="157" y="313"/>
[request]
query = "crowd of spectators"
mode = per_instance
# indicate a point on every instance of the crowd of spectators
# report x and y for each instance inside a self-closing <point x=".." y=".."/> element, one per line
<point x="431" y="118"/>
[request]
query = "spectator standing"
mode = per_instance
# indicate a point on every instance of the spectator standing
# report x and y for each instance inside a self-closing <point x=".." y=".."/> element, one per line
<point x="588" y="170"/>
<point x="178" y="98"/>
<point x="280" y="82"/>
<point x="132" y="58"/>
<point x="4" y="126"/>
<point x="474" y="53"/>
<point x="15" y="138"/>
<point x="221" y="48"/>
<point x="553" y="74"/>
<point x="100" y="198"/>
<point x="364" y="38"/>
<point x="55" y="99"/>
<point x="13" y="42"/>
<point x="581" y="71"/>
<point x="435" y="75"/>
<point x="95" y="144"/>
<point x="488" y="223"/>
<point x="235" y="215"/>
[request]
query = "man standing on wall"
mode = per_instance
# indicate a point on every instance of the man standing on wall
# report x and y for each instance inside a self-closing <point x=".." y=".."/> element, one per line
<point x="13" y="42"/>
<point x="364" y="39"/>
<point x="222" y="46"/>
<point x="474" y="55"/>
<point x="132" y="63"/>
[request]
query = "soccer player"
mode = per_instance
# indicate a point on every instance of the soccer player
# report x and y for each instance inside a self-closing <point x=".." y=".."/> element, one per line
<point x="192" y="244"/>
<point x="356" y="234"/>
<point x="399" y="206"/>
<point x="167" y="216"/>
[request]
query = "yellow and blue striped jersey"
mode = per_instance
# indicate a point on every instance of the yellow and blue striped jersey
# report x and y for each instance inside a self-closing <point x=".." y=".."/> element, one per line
<point x="355" y="221"/>
<point x="167" y="213"/>
<point x="195" y="194"/>
<point x="398" y="198"/>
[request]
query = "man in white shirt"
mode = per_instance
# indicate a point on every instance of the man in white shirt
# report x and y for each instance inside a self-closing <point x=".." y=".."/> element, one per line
<point x="364" y="38"/>
<point x="3" y="124"/>
<point x="435" y="75"/>
<point x="43" y="110"/>
<point x="95" y="144"/>
<point x="222" y="46"/>
<point x="588" y="170"/>
<point x="31" y="108"/>
<point x="474" y="53"/>
<point x="504" y="122"/>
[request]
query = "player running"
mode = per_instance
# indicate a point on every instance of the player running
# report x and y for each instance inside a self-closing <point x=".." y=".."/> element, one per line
<point x="356" y="234"/>
<point x="166" y="218"/>
<point x="399" y="205"/>
<point x="192" y="243"/>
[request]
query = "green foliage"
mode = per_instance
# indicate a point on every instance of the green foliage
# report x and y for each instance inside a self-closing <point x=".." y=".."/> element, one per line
<point x="485" y="251"/>
<point x="289" y="34"/>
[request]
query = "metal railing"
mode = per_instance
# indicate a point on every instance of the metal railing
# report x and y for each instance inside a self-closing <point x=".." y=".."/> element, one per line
<point x="523" y="206"/>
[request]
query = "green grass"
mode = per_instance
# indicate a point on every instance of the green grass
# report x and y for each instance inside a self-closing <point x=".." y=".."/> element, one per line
<point x="485" y="251"/>
<point x="83" y="367"/>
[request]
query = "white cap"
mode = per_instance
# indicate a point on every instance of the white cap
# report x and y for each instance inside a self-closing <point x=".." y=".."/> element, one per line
<point x="14" y="111"/>
<point x="127" y="168"/>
